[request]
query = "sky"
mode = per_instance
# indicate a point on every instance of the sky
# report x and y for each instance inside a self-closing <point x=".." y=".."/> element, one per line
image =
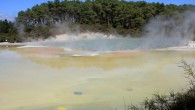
<point x="10" y="8"/>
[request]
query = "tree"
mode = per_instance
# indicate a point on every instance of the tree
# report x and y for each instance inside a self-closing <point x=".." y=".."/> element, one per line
<point x="126" y="17"/>
<point x="8" y="31"/>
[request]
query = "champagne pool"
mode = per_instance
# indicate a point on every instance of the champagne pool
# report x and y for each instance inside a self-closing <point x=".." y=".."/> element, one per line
<point x="52" y="78"/>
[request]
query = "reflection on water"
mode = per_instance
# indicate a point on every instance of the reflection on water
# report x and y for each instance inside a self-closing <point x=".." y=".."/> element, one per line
<point x="48" y="79"/>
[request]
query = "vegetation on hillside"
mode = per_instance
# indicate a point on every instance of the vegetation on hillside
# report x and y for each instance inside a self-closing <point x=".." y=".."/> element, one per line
<point x="8" y="32"/>
<point x="123" y="17"/>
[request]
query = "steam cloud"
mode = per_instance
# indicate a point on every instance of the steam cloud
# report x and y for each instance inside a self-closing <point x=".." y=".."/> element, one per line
<point x="176" y="31"/>
<point x="159" y="33"/>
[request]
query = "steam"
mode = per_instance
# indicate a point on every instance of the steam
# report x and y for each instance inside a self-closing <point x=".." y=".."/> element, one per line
<point x="175" y="31"/>
<point x="80" y="36"/>
<point x="160" y="32"/>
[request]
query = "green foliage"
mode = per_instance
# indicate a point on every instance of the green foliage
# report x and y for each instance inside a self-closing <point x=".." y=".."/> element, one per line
<point x="184" y="100"/>
<point x="126" y="17"/>
<point x="8" y="31"/>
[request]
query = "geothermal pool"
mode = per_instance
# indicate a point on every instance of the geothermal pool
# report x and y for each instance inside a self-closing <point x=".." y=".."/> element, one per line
<point x="45" y="78"/>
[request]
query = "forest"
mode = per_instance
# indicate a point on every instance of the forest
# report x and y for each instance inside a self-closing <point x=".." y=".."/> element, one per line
<point x="106" y="16"/>
<point x="8" y="31"/>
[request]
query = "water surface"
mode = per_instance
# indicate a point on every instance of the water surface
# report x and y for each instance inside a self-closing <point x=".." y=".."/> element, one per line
<point x="52" y="79"/>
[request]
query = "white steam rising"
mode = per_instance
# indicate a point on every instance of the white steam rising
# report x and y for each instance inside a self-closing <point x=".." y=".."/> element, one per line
<point x="80" y="36"/>
<point x="159" y="33"/>
<point x="175" y="31"/>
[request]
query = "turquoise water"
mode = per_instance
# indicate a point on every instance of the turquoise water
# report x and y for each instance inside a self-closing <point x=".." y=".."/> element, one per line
<point x="113" y="44"/>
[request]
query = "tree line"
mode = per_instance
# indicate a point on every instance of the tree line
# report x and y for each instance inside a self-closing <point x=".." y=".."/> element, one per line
<point x="124" y="17"/>
<point x="8" y="32"/>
